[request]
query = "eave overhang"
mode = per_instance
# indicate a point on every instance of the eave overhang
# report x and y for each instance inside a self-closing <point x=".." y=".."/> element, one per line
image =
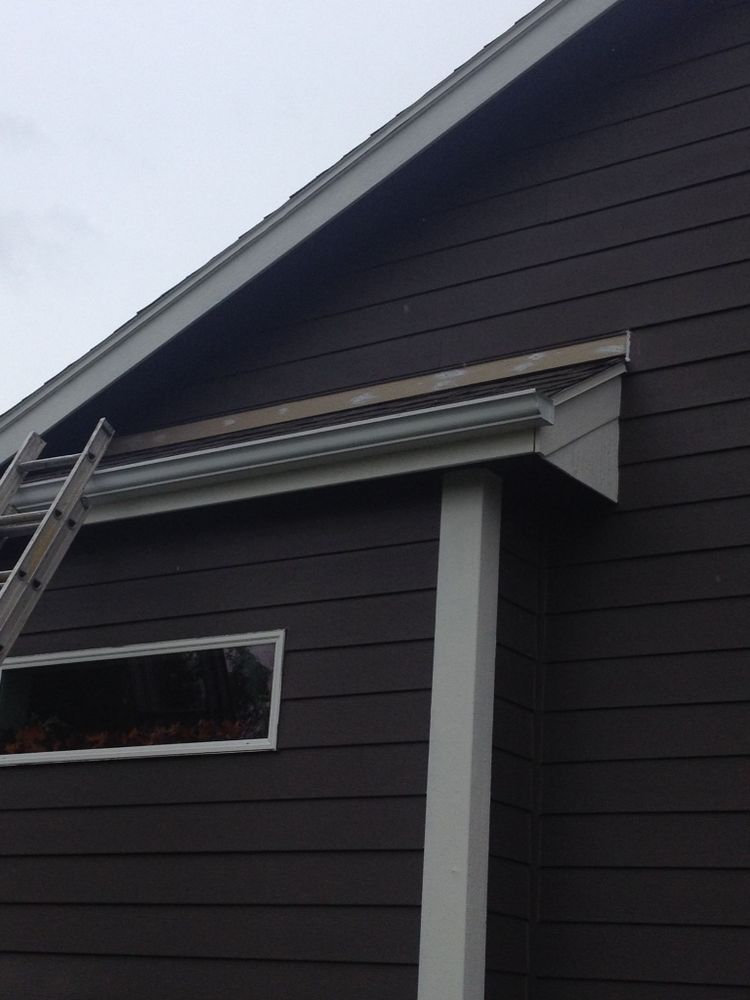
<point x="575" y="430"/>
<point x="484" y="76"/>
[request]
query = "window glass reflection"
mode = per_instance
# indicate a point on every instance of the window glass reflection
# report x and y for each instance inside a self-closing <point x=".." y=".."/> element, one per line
<point x="190" y="696"/>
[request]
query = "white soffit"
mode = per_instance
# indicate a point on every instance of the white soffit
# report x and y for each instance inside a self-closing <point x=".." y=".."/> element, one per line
<point x="494" y="68"/>
<point x="566" y="431"/>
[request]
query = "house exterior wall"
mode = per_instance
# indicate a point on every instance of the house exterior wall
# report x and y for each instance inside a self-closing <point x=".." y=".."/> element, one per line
<point x="607" y="191"/>
<point x="293" y="873"/>
<point x="639" y="869"/>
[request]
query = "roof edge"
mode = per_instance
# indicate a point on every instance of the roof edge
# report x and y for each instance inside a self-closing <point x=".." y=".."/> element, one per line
<point x="418" y="439"/>
<point x="489" y="72"/>
<point x="412" y="440"/>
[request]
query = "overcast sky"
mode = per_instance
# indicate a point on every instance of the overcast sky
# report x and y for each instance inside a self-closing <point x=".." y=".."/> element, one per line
<point x="140" y="137"/>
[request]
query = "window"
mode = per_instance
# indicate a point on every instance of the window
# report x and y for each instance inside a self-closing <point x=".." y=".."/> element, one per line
<point x="210" y="695"/>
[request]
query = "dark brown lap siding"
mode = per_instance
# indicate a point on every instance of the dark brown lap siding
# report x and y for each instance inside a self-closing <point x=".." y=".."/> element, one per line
<point x="620" y="203"/>
<point x="279" y="869"/>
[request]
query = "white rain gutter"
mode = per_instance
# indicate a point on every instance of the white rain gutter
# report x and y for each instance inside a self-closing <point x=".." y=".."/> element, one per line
<point x="439" y="437"/>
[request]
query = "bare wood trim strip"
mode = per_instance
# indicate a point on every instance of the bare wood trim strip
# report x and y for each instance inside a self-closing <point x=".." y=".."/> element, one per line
<point x="384" y="392"/>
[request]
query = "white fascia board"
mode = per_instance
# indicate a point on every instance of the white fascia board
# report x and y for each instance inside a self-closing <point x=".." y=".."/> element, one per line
<point x="453" y="434"/>
<point x="493" y="69"/>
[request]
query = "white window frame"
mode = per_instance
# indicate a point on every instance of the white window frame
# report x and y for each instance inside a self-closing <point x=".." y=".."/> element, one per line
<point x="275" y="637"/>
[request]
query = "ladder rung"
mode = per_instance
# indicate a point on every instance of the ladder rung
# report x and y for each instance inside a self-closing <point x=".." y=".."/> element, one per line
<point x="48" y="464"/>
<point x="4" y="574"/>
<point x="21" y="524"/>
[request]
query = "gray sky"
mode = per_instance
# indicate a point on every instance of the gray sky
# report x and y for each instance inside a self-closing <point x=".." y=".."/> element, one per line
<point x="140" y="137"/>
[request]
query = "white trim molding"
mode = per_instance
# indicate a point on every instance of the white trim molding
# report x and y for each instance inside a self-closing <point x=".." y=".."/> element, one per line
<point x="273" y="638"/>
<point x="454" y="890"/>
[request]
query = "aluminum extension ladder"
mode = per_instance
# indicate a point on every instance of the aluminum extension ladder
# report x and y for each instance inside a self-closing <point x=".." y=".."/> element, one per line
<point x="52" y="530"/>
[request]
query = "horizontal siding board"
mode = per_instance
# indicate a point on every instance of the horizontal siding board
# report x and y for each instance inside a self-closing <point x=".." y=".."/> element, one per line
<point x="314" y="933"/>
<point x="632" y="733"/>
<point x="510" y="832"/>
<point x="679" y="161"/>
<point x="307" y="825"/>
<point x="686" y="386"/>
<point x="535" y="245"/>
<point x="598" y="314"/>
<point x="667" y="628"/>
<point x="358" y="670"/>
<point x="513" y="728"/>
<point x="511" y="779"/>
<point x="326" y="772"/>
<point x="516" y="629"/>
<point x="699" y="338"/>
<point x="696" y="35"/>
<point x="365" y="620"/>
<point x="651" y="580"/>
<point x="259" y="531"/>
<point x="645" y="897"/>
<point x="656" y="840"/>
<point x="712" y="72"/>
<point x="636" y="137"/>
<point x="687" y="479"/>
<point x="505" y="986"/>
<point x="519" y="581"/>
<point x="664" y="257"/>
<point x="579" y="989"/>
<point x="520" y="535"/>
<point x="686" y="432"/>
<point x="399" y="717"/>
<point x="514" y="677"/>
<point x="694" y="785"/>
<point x="584" y="192"/>
<point x="508" y="888"/>
<point x="318" y="578"/>
<point x="654" y="680"/>
<point x="712" y="524"/>
<point x="352" y="878"/>
<point x="80" y="977"/>
<point x="507" y="944"/>
<point x="677" y="954"/>
<point x="335" y="366"/>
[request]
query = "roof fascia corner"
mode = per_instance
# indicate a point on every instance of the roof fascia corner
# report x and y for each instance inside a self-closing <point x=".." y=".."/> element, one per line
<point x="408" y="134"/>
<point x="584" y="439"/>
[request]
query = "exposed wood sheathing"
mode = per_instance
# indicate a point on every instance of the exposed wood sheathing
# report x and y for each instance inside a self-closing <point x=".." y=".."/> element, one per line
<point x="528" y="369"/>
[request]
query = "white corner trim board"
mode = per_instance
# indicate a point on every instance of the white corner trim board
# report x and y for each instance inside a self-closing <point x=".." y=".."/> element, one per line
<point x="489" y="72"/>
<point x="454" y="890"/>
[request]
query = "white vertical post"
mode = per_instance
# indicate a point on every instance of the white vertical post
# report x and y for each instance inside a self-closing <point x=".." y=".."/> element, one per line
<point x="454" y="891"/>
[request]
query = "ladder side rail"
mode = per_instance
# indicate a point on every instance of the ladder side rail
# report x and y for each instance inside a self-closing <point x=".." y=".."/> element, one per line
<point x="60" y="513"/>
<point x="49" y="543"/>
<point x="13" y="475"/>
<point x="21" y="592"/>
